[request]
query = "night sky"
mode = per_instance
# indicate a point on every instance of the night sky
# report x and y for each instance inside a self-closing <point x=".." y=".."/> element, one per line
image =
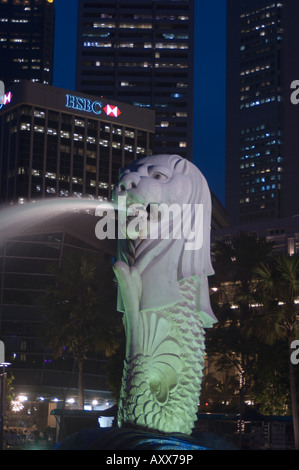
<point x="209" y="83"/>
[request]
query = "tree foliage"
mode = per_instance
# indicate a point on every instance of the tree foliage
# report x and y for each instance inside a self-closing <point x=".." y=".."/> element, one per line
<point x="255" y="300"/>
<point x="278" y="284"/>
<point x="79" y="310"/>
<point x="233" y="301"/>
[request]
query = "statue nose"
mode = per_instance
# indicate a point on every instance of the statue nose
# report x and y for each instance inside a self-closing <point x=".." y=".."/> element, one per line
<point x="129" y="181"/>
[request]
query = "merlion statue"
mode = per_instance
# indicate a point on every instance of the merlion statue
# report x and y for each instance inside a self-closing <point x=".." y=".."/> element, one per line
<point x="163" y="291"/>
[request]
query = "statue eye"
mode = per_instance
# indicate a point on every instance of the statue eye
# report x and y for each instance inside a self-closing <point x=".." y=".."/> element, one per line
<point x="157" y="175"/>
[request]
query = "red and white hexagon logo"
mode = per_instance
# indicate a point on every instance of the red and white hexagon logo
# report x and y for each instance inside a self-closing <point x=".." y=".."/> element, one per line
<point x="112" y="110"/>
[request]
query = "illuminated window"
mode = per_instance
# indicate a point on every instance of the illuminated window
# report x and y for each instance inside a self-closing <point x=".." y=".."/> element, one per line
<point x="79" y="123"/>
<point x="136" y="25"/>
<point x="51" y="175"/>
<point x="25" y="126"/>
<point x="50" y="190"/>
<point x="78" y="137"/>
<point x="39" y="114"/>
<point x="64" y="134"/>
<point x="40" y="129"/>
<point x="104" y="25"/>
<point x="52" y="131"/>
<point x="97" y="44"/>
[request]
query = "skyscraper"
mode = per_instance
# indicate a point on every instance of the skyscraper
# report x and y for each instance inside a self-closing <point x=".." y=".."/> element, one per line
<point x="262" y="170"/>
<point x="26" y="40"/>
<point x="142" y="53"/>
<point x="57" y="143"/>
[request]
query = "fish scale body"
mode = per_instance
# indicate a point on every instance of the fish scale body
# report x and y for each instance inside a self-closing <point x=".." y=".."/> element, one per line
<point x="184" y="338"/>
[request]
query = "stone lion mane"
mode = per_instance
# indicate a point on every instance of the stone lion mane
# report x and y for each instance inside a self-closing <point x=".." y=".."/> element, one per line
<point x="164" y="295"/>
<point x="163" y="263"/>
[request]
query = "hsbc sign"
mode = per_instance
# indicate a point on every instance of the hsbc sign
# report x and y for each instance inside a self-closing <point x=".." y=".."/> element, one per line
<point x="89" y="106"/>
<point x="83" y="104"/>
<point x="5" y="98"/>
<point x="112" y="110"/>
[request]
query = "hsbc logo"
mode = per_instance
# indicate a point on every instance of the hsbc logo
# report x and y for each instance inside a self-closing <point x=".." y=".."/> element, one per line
<point x="83" y="104"/>
<point x="89" y="106"/>
<point x="112" y="110"/>
<point x="5" y="98"/>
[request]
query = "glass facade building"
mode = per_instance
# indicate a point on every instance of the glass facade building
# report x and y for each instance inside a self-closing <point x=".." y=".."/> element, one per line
<point x="57" y="143"/>
<point x="26" y="40"/>
<point x="142" y="53"/>
<point x="25" y="262"/>
<point x="262" y="124"/>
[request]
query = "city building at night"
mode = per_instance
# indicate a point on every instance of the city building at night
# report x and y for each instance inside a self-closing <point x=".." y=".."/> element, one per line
<point x="59" y="143"/>
<point x="262" y="170"/>
<point x="283" y="233"/>
<point x="26" y="40"/>
<point x="56" y="144"/>
<point x="142" y="53"/>
<point x="28" y="253"/>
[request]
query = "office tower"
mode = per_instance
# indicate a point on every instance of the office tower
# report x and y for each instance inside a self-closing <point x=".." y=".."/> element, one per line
<point x="141" y="52"/>
<point x="26" y="40"/>
<point x="29" y="257"/>
<point x="262" y="170"/>
<point x="57" y="143"/>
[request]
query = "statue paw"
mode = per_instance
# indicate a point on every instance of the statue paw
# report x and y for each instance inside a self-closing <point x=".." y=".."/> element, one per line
<point x="130" y="284"/>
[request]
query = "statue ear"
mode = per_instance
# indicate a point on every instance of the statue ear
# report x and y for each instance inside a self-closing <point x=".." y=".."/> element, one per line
<point x="181" y="166"/>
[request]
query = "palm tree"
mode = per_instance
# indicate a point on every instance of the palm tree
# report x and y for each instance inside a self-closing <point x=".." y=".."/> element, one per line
<point x="234" y="262"/>
<point x="278" y="283"/>
<point x="219" y="391"/>
<point x="270" y="388"/>
<point x="78" y="311"/>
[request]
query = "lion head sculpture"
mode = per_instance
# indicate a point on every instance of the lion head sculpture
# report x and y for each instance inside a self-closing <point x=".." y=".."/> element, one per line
<point x="168" y="181"/>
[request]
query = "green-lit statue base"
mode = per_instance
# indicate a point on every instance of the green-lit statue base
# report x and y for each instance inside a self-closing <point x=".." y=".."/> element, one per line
<point x="132" y="439"/>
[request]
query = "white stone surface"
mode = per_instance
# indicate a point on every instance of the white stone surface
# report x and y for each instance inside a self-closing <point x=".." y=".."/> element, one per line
<point x="164" y="295"/>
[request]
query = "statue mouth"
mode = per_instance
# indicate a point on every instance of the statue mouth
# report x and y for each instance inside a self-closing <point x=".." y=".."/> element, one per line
<point x="141" y="219"/>
<point x="145" y="212"/>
